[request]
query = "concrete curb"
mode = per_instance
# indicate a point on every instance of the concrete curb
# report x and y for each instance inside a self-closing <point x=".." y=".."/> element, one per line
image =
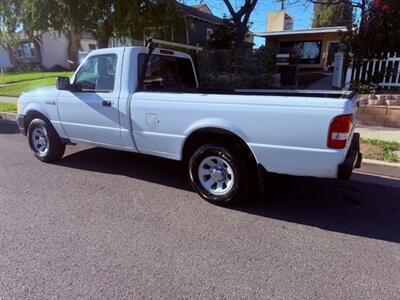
<point x="371" y="166"/>
<point x="8" y="116"/>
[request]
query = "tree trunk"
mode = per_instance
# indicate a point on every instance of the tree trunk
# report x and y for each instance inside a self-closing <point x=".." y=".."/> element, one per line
<point x="103" y="42"/>
<point x="74" y="45"/>
<point x="106" y="31"/>
<point x="240" y="35"/>
<point x="363" y="13"/>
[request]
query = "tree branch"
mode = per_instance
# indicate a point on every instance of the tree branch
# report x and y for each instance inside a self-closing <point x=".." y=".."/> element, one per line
<point x="230" y="8"/>
<point x="334" y="2"/>
<point x="249" y="11"/>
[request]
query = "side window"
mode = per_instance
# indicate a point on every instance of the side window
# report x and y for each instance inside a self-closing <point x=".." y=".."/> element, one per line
<point x="97" y="74"/>
<point x="167" y="72"/>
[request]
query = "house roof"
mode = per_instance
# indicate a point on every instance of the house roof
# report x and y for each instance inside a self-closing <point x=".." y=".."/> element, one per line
<point x="203" y="7"/>
<point x="303" y="31"/>
<point x="197" y="11"/>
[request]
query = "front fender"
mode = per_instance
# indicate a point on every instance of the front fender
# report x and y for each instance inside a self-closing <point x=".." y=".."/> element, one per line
<point x="34" y="106"/>
<point x="47" y="109"/>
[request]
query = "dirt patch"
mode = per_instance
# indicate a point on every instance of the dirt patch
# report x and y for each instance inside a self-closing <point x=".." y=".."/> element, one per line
<point x="372" y="151"/>
<point x="380" y="150"/>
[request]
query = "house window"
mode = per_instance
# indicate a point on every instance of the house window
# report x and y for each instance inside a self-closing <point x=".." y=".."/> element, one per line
<point x="92" y="46"/>
<point x="307" y="52"/>
<point x="26" y="50"/>
<point x="209" y="33"/>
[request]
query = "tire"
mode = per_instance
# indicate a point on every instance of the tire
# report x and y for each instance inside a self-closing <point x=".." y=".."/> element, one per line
<point x="44" y="141"/>
<point x="219" y="174"/>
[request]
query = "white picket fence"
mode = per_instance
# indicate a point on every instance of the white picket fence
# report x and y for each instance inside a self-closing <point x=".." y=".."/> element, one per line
<point x="388" y="68"/>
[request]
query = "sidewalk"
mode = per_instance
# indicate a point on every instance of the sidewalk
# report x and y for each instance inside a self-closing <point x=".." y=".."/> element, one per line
<point x="325" y="83"/>
<point x="8" y="99"/>
<point x="380" y="133"/>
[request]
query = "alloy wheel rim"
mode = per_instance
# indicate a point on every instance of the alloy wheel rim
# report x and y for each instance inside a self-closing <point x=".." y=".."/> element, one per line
<point x="40" y="140"/>
<point x="216" y="175"/>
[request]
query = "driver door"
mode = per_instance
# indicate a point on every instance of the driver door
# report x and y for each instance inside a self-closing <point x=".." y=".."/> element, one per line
<point x="89" y="112"/>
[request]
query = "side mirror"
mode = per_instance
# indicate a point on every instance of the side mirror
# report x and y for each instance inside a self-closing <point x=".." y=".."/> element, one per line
<point x="63" y="83"/>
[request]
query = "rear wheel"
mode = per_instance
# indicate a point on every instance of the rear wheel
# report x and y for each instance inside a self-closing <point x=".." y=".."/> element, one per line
<point x="218" y="174"/>
<point x="44" y="141"/>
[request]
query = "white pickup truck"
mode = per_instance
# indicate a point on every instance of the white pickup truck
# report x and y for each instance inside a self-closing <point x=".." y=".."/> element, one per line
<point x="148" y="101"/>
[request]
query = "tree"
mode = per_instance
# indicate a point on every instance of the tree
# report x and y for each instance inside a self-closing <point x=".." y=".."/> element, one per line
<point x="223" y="36"/>
<point x="103" y="18"/>
<point x="360" y="5"/>
<point x="336" y="14"/>
<point x="62" y="17"/>
<point x="380" y="33"/>
<point x="121" y="18"/>
<point x="241" y="20"/>
<point x="9" y="12"/>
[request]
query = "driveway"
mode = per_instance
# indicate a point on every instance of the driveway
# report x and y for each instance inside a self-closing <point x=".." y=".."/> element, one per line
<point x="103" y="224"/>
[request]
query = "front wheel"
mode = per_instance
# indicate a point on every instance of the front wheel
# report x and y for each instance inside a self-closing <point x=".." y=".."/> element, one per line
<point x="218" y="174"/>
<point x="44" y="141"/>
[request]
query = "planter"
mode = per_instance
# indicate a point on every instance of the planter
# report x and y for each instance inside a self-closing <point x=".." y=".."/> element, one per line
<point x="379" y="99"/>
<point x="378" y="115"/>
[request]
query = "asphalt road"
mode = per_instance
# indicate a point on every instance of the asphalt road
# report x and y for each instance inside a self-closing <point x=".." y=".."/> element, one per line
<point x="103" y="224"/>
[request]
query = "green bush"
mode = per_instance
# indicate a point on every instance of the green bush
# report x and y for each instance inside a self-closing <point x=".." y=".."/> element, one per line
<point x="364" y="88"/>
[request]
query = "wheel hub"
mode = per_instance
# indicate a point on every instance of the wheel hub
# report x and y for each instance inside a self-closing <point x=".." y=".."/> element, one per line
<point x="43" y="140"/>
<point x="218" y="174"/>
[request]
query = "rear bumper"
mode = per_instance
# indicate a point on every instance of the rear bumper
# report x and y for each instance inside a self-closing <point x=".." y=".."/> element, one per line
<point x="353" y="159"/>
<point x="21" y="123"/>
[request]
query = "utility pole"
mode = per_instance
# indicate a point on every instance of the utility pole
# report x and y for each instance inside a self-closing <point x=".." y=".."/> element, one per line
<point x="282" y="2"/>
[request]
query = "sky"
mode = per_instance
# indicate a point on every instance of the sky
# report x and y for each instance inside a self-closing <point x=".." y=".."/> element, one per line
<point x="299" y="11"/>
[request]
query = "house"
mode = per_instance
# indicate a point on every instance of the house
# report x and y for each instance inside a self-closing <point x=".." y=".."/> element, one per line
<point x="198" y="23"/>
<point x="313" y="49"/>
<point x="49" y="49"/>
<point x="5" y="61"/>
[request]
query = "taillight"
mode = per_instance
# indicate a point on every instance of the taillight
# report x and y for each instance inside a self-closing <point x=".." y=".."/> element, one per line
<point x="339" y="131"/>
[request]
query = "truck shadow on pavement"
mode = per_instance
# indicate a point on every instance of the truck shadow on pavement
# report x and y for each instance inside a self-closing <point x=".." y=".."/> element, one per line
<point x="143" y="167"/>
<point x="8" y="127"/>
<point x="366" y="206"/>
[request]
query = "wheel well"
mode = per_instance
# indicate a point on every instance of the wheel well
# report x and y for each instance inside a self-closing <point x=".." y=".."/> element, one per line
<point x="216" y="136"/>
<point x="31" y="115"/>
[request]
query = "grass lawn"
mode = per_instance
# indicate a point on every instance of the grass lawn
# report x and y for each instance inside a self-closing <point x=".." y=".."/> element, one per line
<point x="8" y="107"/>
<point x="17" y="83"/>
<point x="380" y="150"/>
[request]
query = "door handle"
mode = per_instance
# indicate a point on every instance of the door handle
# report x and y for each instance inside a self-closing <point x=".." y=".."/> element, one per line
<point x="106" y="103"/>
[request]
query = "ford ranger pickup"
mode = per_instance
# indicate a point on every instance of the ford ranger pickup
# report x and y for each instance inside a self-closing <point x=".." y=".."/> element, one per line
<point x="148" y="100"/>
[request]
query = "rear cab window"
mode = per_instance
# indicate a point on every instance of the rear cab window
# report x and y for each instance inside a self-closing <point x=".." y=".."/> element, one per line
<point x="167" y="73"/>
